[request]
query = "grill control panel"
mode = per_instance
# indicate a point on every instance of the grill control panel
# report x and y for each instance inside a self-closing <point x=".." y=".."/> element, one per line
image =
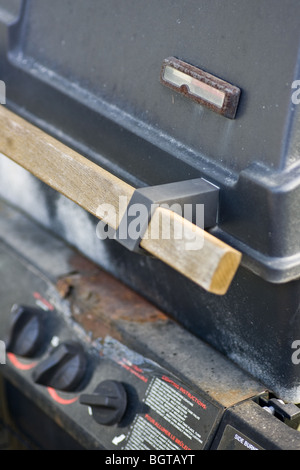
<point x="137" y="385"/>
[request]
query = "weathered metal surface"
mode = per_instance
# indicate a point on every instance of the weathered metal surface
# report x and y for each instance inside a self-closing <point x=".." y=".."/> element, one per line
<point x="103" y="306"/>
<point x="100" y="302"/>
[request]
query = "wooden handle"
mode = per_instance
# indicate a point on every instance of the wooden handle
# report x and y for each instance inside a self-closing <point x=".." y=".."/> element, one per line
<point x="212" y="265"/>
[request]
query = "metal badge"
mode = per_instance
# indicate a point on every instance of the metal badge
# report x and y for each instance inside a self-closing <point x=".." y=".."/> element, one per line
<point x="200" y="86"/>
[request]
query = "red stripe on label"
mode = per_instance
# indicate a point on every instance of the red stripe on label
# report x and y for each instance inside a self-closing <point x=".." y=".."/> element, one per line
<point x="47" y="304"/>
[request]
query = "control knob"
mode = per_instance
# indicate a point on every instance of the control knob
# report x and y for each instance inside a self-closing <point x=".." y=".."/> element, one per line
<point x="27" y="331"/>
<point x="63" y="369"/>
<point x="108" y="402"/>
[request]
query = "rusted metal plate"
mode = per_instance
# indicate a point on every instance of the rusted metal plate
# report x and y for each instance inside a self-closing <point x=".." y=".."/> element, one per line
<point x="100" y="303"/>
<point x="200" y="86"/>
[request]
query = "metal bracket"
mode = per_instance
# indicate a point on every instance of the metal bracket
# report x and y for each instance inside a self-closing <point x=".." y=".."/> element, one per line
<point x="289" y="413"/>
<point x="196" y="199"/>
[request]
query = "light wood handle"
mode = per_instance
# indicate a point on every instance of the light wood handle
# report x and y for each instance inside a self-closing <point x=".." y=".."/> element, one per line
<point x="212" y="266"/>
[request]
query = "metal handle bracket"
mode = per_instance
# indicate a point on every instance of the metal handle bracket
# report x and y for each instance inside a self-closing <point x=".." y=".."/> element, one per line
<point x="196" y="200"/>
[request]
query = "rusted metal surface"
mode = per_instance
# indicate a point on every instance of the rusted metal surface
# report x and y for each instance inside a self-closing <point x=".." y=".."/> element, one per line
<point x="104" y="306"/>
<point x="100" y="303"/>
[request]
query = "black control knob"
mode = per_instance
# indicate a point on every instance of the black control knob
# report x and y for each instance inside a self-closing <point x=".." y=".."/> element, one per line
<point x="108" y="402"/>
<point x="27" y="331"/>
<point x="63" y="369"/>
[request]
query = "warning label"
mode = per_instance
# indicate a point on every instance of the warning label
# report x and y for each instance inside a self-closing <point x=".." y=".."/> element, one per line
<point x="175" y="408"/>
<point x="148" y="434"/>
<point x="177" y="419"/>
<point x="164" y="413"/>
